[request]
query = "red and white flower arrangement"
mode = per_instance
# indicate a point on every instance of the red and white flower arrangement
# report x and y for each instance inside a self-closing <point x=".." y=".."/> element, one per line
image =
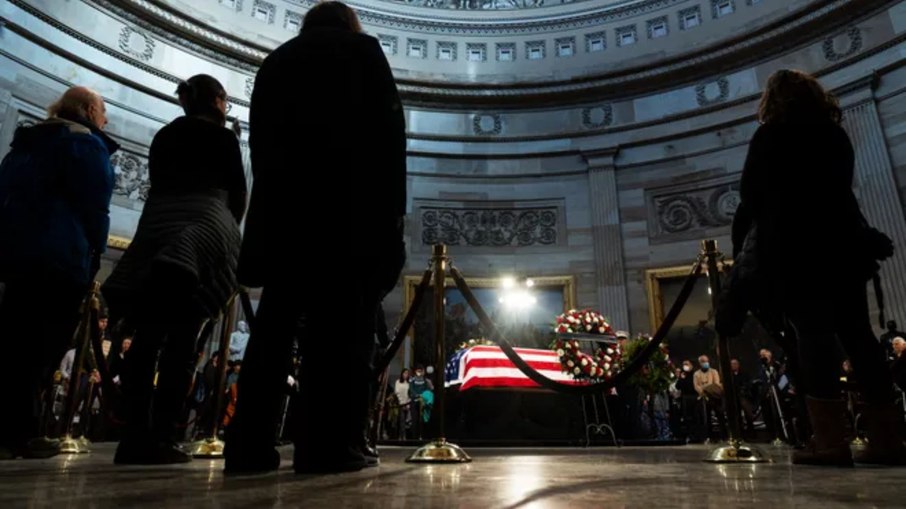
<point x="585" y="321"/>
<point x="603" y="364"/>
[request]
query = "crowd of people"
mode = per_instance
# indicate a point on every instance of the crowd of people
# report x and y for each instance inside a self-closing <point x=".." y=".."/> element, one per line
<point x="325" y="113"/>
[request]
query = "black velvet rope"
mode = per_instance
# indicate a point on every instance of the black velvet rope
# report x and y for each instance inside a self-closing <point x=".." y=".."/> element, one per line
<point x="404" y="327"/>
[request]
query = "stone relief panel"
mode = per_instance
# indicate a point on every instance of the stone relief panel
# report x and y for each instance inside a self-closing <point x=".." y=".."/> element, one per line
<point x="714" y="92"/>
<point x="136" y="43"/>
<point x="689" y="210"/>
<point x="853" y="44"/>
<point x="488" y="125"/>
<point x="131" y="174"/>
<point x="597" y="116"/>
<point x="490" y="226"/>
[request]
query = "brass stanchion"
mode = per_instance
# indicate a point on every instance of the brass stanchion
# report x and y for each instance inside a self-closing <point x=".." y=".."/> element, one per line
<point x="90" y="308"/>
<point x="212" y="446"/>
<point x="439" y="450"/>
<point x="735" y="451"/>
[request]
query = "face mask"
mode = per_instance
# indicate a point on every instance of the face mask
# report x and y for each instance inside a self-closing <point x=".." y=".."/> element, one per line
<point x="705" y="366"/>
<point x="687" y="368"/>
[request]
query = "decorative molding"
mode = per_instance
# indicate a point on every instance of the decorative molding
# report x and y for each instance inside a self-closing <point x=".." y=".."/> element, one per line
<point x="651" y="23"/>
<point x="136" y="43"/>
<point x="131" y="174"/>
<point x="723" y="92"/>
<point x="419" y="43"/>
<point x="249" y="87"/>
<point x="390" y="40"/>
<point x="481" y="47"/>
<point x="236" y="4"/>
<point x="267" y="6"/>
<point x="715" y="6"/>
<point x="480" y="124"/>
<point x="565" y="40"/>
<point x="602" y="34"/>
<point x="628" y="29"/>
<point x="503" y="46"/>
<point x="693" y="209"/>
<point x="489" y="227"/>
<point x="533" y="45"/>
<point x="684" y="13"/>
<point x="854" y="35"/>
<point x="595" y="117"/>
<point x="448" y="45"/>
<point x="292" y="21"/>
<point x="500" y="26"/>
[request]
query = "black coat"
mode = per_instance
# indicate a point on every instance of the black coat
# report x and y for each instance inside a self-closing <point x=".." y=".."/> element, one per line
<point x="797" y="188"/>
<point x="326" y="127"/>
<point x="187" y="240"/>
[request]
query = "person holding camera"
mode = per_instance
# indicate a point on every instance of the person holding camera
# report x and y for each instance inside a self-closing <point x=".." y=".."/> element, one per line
<point x="796" y="198"/>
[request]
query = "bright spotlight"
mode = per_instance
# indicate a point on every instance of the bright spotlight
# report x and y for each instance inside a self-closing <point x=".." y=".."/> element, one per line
<point x="529" y="283"/>
<point x="507" y="282"/>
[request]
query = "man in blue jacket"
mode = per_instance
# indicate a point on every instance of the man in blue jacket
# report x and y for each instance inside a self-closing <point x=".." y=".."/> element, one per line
<point x="55" y="190"/>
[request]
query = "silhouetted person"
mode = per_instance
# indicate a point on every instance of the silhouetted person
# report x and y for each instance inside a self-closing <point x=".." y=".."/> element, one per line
<point x="326" y="120"/>
<point x="797" y="198"/>
<point x="180" y="268"/>
<point x="55" y="190"/>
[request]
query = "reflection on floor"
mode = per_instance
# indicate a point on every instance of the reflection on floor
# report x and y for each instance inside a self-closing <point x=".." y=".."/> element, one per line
<point x="498" y="478"/>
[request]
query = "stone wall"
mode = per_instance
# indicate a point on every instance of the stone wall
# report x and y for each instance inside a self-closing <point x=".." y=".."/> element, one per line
<point x="603" y="189"/>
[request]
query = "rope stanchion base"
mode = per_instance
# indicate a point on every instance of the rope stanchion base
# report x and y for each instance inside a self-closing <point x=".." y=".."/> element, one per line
<point x="69" y="445"/>
<point x="439" y="451"/>
<point x="206" y="448"/>
<point x="737" y="452"/>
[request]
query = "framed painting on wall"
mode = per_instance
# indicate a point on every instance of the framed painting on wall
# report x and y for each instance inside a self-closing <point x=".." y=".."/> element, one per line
<point x="693" y="333"/>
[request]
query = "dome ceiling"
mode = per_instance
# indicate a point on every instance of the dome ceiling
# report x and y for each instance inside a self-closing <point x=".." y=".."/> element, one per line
<point x="514" y="53"/>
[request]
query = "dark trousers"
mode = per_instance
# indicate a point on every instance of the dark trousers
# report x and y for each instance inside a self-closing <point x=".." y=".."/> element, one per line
<point x="38" y="318"/>
<point x="335" y="331"/>
<point x="164" y="343"/>
<point x="841" y="314"/>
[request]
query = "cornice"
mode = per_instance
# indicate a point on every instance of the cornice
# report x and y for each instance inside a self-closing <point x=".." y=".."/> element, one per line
<point x="799" y="27"/>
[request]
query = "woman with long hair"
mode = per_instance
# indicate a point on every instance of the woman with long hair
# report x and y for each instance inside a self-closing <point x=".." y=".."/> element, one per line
<point x="797" y="201"/>
<point x="180" y="268"/>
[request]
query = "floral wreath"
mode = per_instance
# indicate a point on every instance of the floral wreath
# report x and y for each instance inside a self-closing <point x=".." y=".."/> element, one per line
<point x="603" y="364"/>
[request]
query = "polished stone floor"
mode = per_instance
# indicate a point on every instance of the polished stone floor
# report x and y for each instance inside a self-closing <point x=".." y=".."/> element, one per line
<point x="497" y="478"/>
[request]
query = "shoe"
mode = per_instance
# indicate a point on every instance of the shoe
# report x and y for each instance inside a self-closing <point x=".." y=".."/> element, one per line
<point x="885" y="444"/>
<point x="135" y="452"/>
<point x="252" y="461"/>
<point x="40" y="448"/>
<point x="828" y="445"/>
<point x="372" y="457"/>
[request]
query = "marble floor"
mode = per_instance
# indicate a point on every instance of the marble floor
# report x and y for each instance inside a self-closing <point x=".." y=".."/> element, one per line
<point x="497" y="478"/>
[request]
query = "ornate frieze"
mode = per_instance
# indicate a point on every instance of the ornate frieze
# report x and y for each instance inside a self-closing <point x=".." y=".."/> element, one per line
<point x="136" y="43"/>
<point x="489" y="227"/>
<point x="488" y="125"/>
<point x="595" y="117"/>
<point x="693" y="209"/>
<point x="854" y="38"/>
<point x="713" y="92"/>
<point x="131" y="174"/>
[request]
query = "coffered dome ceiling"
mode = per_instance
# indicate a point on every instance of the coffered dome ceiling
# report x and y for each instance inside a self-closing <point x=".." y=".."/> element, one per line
<point x="516" y="53"/>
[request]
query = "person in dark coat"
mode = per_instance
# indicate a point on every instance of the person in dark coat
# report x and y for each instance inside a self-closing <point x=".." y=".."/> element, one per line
<point x="55" y="191"/>
<point x="324" y="108"/>
<point x="180" y="268"/>
<point x="797" y="198"/>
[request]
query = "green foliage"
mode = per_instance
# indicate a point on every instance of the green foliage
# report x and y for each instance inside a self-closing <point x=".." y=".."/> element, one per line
<point x="656" y="375"/>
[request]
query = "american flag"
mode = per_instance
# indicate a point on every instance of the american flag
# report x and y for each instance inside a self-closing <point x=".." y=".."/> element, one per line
<point x="488" y="366"/>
